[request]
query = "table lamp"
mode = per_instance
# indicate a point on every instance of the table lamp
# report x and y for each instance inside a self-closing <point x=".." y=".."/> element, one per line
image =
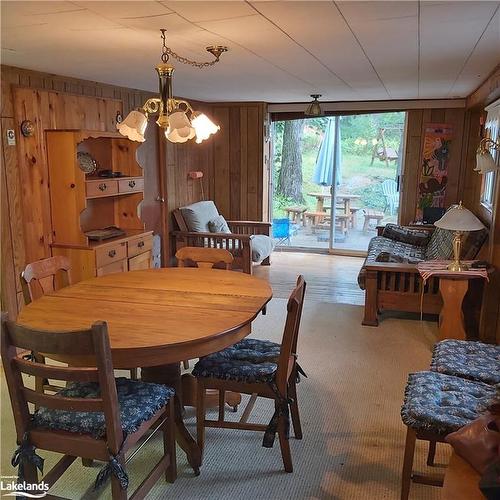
<point x="459" y="220"/>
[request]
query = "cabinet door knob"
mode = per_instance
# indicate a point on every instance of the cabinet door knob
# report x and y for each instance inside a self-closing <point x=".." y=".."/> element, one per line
<point x="112" y="253"/>
<point x="160" y="199"/>
<point x="131" y="184"/>
<point x="140" y="244"/>
<point x="102" y="186"/>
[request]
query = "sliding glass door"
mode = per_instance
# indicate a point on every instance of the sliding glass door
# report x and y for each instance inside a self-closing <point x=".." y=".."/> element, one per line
<point x="336" y="179"/>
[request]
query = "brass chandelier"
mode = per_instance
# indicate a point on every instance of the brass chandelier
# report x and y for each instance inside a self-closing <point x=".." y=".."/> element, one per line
<point x="175" y="116"/>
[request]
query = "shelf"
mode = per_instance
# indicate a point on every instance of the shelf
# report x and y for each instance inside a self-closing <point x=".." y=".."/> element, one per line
<point x="131" y="233"/>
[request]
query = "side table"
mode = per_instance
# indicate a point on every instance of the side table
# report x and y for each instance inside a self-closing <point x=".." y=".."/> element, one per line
<point x="453" y="287"/>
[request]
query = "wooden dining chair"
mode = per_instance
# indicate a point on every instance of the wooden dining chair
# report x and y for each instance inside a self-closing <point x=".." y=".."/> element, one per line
<point x="42" y="277"/>
<point x="204" y="257"/>
<point x="269" y="379"/>
<point x="95" y="417"/>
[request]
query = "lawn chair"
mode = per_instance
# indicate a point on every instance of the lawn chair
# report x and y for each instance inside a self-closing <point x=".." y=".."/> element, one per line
<point x="282" y="230"/>
<point x="390" y="191"/>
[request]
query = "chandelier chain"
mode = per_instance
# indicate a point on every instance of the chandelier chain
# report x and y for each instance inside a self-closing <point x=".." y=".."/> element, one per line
<point x="166" y="52"/>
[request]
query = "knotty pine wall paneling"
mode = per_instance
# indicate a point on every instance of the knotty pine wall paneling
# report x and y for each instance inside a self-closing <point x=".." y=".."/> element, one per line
<point x="416" y="123"/>
<point x="50" y="102"/>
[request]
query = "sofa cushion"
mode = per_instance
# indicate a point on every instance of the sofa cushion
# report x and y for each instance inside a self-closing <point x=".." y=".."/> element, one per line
<point x="218" y="225"/>
<point x="403" y="234"/>
<point x="440" y="246"/>
<point x="472" y="243"/>
<point x="467" y="359"/>
<point x="262" y="247"/>
<point x="198" y="215"/>
<point x="441" y="404"/>
<point x="138" y="402"/>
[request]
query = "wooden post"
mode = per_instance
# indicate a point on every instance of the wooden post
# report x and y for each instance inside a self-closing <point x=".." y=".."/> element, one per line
<point x="370" y="318"/>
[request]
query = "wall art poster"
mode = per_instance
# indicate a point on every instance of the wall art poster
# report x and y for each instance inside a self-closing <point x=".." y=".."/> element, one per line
<point x="434" y="173"/>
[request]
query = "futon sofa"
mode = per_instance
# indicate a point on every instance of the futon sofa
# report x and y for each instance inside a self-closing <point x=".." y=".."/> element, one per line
<point x="389" y="274"/>
<point x="201" y="225"/>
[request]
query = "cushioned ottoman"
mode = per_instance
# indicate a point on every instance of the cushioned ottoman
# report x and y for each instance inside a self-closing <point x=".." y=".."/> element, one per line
<point x="467" y="359"/>
<point x="440" y="404"/>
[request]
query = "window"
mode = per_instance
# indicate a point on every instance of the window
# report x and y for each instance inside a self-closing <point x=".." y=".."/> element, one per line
<point x="492" y="127"/>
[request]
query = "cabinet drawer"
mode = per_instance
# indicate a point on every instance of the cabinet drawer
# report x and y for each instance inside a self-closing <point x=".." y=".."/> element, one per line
<point x="139" y="245"/>
<point x="115" y="267"/>
<point x="110" y="253"/>
<point x="142" y="261"/>
<point x="130" y="185"/>
<point x="100" y="187"/>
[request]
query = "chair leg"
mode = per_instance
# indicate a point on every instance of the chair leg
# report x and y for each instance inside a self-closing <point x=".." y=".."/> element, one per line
<point x="116" y="490"/>
<point x="284" y="445"/>
<point x="411" y="438"/>
<point x="431" y="454"/>
<point x="169" y="443"/>
<point x="185" y="363"/>
<point x="200" y="414"/>
<point x="294" y="409"/>
<point x="134" y="374"/>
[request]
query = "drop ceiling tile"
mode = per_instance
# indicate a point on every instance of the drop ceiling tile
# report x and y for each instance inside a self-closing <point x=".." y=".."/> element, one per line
<point x="445" y="44"/>
<point x="210" y="11"/>
<point x="388" y="31"/>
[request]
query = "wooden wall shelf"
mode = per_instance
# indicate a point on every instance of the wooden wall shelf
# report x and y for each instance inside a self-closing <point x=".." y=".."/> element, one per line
<point x="80" y="203"/>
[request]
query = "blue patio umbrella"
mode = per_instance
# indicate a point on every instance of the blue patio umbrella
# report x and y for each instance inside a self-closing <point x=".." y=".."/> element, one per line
<point x="329" y="156"/>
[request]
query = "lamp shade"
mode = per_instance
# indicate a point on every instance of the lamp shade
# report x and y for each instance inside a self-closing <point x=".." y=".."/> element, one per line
<point x="203" y="126"/>
<point x="459" y="218"/>
<point x="485" y="162"/>
<point x="179" y="128"/>
<point x="133" y="126"/>
<point x="314" y="108"/>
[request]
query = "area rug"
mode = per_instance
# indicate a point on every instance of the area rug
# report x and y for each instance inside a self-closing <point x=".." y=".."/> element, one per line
<point x="350" y="401"/>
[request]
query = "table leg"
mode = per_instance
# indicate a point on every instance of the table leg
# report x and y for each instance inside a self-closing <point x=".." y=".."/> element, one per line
<point x="171" y="375"/>
<point x="451" y="319"/>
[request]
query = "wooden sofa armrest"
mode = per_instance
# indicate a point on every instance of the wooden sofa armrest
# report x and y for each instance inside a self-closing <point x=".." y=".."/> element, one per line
<point x="223" y="236"/>
<point x="395" y="267"/>
<point x="416" y="227"/>
<point x="249" y="227"/>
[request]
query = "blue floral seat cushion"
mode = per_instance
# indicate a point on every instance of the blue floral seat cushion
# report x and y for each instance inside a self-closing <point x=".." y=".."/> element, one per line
<point x="138" y="401"/>
<point x="467" y="359"/>
<point x="441" y="404"/>
<point x="253" y="350"/>
<point x="250" y="360"/>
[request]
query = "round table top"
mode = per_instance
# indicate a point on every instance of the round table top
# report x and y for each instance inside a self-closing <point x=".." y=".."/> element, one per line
<point x="156" y="316"/>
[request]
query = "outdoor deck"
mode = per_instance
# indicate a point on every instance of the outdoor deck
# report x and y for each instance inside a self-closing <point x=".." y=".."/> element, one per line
<point x="355" y="239"/>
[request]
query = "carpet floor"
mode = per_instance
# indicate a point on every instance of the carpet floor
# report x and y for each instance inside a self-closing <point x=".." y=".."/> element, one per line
<point x="353" y="436"/>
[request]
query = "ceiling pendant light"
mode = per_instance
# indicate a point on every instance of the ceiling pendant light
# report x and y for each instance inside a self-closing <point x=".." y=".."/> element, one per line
<point x="175" y="116"/>
<point x="314" y="107"/>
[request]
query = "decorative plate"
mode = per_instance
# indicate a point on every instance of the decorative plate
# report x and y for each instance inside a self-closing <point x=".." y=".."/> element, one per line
<point x="86" y="163"/>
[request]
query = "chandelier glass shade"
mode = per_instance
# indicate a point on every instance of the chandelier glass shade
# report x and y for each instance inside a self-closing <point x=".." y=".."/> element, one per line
<point x="175" y="116"/>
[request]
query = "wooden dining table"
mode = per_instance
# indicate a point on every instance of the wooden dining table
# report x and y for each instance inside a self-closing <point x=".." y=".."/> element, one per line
<point x="156" y="319"/>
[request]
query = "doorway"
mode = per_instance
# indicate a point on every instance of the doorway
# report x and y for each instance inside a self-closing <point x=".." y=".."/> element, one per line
<point x="335" y="179"/>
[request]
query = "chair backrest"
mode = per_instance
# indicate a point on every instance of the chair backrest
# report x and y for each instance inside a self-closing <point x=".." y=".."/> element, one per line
<point x="92" y="343"/>
<point x="281" y="228"/>
<point x="389" y="187"/>
<point x="39" y="278"/>
<point x="204" y="257"/>
<point x="290" y="334"/>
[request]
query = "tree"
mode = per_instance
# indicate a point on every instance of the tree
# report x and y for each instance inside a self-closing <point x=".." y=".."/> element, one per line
<point x="290" y="174"/>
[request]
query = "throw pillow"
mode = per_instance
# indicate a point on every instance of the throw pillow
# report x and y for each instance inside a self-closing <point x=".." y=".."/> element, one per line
<point x="218" y="225"/>
<point x="413" y="237"/>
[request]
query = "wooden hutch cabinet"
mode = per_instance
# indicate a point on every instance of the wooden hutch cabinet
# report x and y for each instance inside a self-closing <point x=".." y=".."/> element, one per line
<point x="81" y="203"/>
